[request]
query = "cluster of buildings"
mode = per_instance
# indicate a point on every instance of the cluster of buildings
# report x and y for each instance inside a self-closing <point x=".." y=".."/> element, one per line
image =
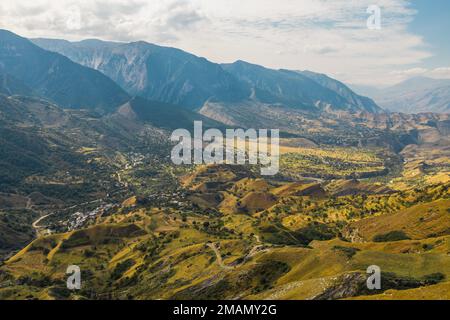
<point x="80" y="219"/>
<point x="175" y="199"/>
<point x="135" y="159"/>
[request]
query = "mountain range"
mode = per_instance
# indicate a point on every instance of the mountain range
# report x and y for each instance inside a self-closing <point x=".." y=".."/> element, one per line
<point x="179" y="78"/>
<point x="104" y="76"/>
<point x="54" y="76"/>
<point x="415" y="95"/>
<point x="142" y="84"/>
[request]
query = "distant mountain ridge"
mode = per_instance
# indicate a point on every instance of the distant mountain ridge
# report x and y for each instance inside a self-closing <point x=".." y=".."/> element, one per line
<point x="416" y="95"/>
<point x="364" y="103"/>
<point x="55" y="77"/>
<point x="179" y="78"/>
<point x="153" y="72"/>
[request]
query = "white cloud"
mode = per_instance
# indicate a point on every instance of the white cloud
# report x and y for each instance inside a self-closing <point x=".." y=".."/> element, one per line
<point x="328" y="36"/>
<point x="436" y="73"/>
<point x="440" y="73"/>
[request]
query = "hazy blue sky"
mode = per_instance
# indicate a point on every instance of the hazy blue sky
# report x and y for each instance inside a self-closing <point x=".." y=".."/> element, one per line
<point x="432" y="21"/>
<point x="329" y="36"/>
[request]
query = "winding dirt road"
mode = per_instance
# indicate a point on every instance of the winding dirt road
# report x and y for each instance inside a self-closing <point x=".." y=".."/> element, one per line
<point x="36" y="222"/>
<point x="256" y="249"/>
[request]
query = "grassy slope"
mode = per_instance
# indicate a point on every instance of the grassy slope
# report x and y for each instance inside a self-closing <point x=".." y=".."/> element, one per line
<point x="418" y="222"/>
<point x="151" y="253"/>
